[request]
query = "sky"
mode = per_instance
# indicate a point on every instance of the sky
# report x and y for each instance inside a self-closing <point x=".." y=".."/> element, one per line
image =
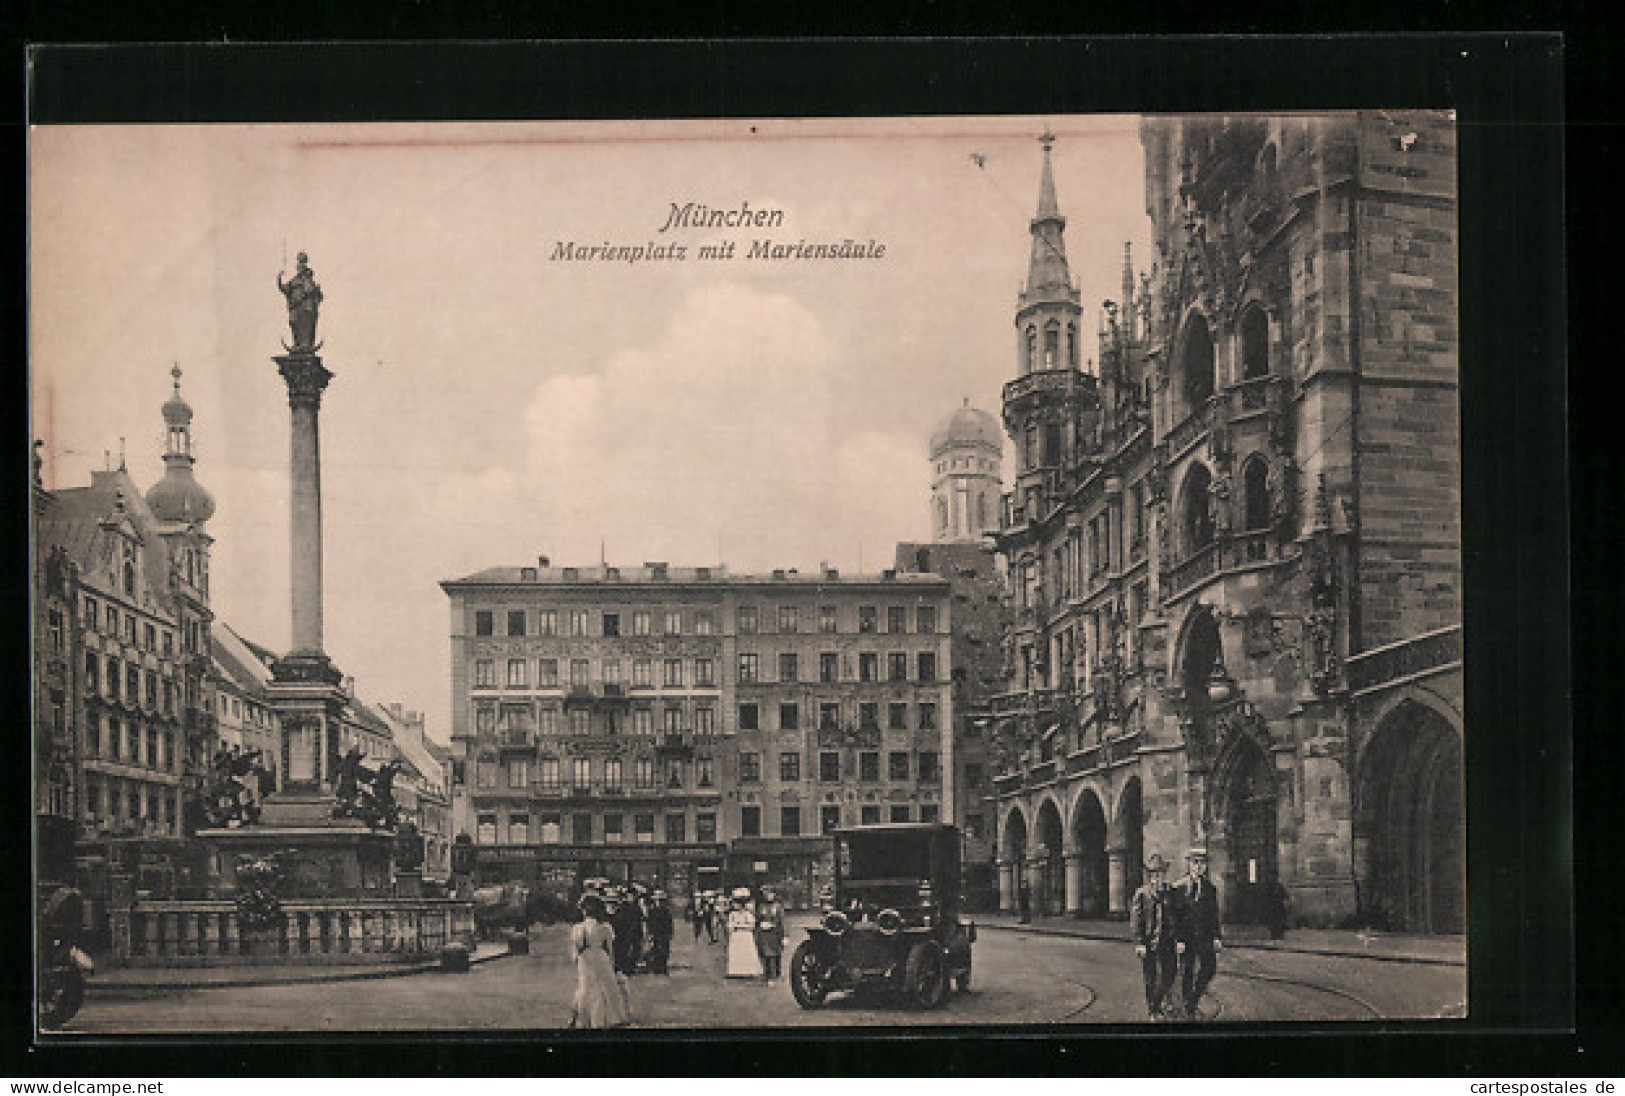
<point x="492" y="403"/>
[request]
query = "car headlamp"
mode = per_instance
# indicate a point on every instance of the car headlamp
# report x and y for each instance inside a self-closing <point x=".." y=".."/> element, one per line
<point x="836" y="922"/>
<point x="888" y="921"/>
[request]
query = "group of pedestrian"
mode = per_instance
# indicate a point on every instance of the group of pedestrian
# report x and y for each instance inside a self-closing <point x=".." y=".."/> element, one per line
<point x="752" y="926"/>
<point x="1175" y="929"/>
<point x="623" y="930"/>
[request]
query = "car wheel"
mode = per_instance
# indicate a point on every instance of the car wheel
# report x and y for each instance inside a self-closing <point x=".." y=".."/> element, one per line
<point x="807" y="976"/>
<point x="925" y="979"/>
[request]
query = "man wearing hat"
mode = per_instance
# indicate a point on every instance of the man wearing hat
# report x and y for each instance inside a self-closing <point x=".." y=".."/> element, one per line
<point x="660" y="932"/>
<point x="1153" y="917"/>
<point x="1198" y="923"/>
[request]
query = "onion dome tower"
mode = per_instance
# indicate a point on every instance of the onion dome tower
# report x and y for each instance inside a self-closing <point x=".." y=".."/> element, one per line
<point x="179" y="497"/>
<point x="967" y="455"/>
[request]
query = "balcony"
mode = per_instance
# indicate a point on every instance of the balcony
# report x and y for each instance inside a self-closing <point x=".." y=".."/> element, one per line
<point x="1046" y="385"/>
<point x="1405" y="659"/>
<point x="675" y="744"/>
<point x="833" y="737"/>
<point x="1254" y="394"/>
<point x="580" y="695"/>
<point x="518" y="739"/>
<point x="1192" y="429"/>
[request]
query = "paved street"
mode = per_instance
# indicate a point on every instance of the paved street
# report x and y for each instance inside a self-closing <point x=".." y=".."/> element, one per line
<point x="1020" y="978"/>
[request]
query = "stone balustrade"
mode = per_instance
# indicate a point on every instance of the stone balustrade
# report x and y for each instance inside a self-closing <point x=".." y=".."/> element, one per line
<point x="315" y="931"/>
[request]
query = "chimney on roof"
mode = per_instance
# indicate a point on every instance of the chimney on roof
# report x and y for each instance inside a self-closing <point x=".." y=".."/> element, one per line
<point x="543" y="562"/>
<point x="889" y="574"/>
<point x="778" y="574"/>
<point x="349" y="686"/>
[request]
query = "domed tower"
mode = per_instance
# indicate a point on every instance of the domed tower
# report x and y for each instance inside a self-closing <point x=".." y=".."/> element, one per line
<point x="179" y="497"/>
<point x="966" y="460"/>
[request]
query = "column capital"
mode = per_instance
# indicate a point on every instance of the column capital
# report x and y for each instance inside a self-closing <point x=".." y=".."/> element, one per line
<point x="306" y="377"/>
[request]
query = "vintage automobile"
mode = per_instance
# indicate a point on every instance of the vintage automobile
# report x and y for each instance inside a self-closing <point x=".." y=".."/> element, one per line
<point x="893" y="919"/>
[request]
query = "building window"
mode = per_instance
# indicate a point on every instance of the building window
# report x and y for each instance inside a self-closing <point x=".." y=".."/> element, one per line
<point x="750" y="767"/>
<point x="485" y="719"/>
<point x="867" y="619"/>
<point x="829" y="818"/>
<point x="93" y="612"/>
<point x="925" y="619"/>
<point x="580" y="673"/>
<point x="896" y="618"/>
<point x="789" y="618"/>
<point x="547" y="622"/>
<point x="580" y="722"/>
<point x="928" y="717"/>
<point x="483" y="626"/>
<point x="612" y="671"/>
<point x="897" y="765"/>
<point x="485" y="832"/>
<point x="928" y="665"/>
<point x="897" y="666"/>
<point x="869" y="766"/>
<point x="748" y="717"/>
<point x="1255" y="493"/>
<point x="674" y="720"/>
<point x="93" y="668"/>
<point x="152" y="749"/>
<point x="747" y="620"/>
<point x="704" y="772"/>
<point x="643" y="722"/>
<point x="870" y="815"/>
<point x="643" y="671"/>
<point x="132" y="683"/>
<point x="113" y="678"/>
<point x="900" y="812"/>
<point x="704" y="722"/>
<point x="672" y="673"/>
<point x="641" y="622"/>
<point x="612" y="775"/>
<point x="547" y="673"/>
<point x="829" y="715"/>
<point x="149" y="634"/>
<point x="516" y="673"/>
<point x="547" y="721"/>
<point x="790" y="766"/>
<point x="578" y="622"/>
<point x="674" y="776"/>
<point x="869" y="715"/>
<point x="612" y="624"/>
<point x="644" y="825"/>
<point x="644" y="770"/>
<point x="705" y="827"/>
<point x="581" y="774"/>
<point x="789" y="717"/>
<point x="750" y="821"/>
<point x="826" y="618"/>
<point x="897" y="717"/>
<point x="790" y="821"/>
<point x="868" y="666"/>
<point x="1255" y="344"/>
<point x="705" y="676"/>
<point x="516" y="622"/>
<point x="829" y="667"/>
<point x="704" y="623"/>
<point x="485" y="674"/>
<point x="169" y="644"/>
<point x="614" y="829"/>
<point x="748" y="664"/>
<point x="676" y="829"/>
<point x="485" y="773"/>
<point x="930" y="770"/>
<point x="829" y="767"/>
<point x="519" y="829"/>
<point x="93" y="735"/>
<point x="788" y="667"/>
<point x="674" y="622"/>
<point x="581" y="828"/>
<point x="547" y="774"/>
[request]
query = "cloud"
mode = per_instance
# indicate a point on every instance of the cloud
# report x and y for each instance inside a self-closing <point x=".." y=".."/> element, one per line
<point x="727" y="423"/>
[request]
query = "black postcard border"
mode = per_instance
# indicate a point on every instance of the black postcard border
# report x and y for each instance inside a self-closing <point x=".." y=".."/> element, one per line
<point x="1509" y="92"/>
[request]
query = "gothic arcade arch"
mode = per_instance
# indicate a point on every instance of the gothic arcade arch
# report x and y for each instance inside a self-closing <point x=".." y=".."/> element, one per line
<point x="1410" y="820"/>
<point x="1049" y="896"/>
<point x="1128" y="833"/>
<point x="1089" y="836"/>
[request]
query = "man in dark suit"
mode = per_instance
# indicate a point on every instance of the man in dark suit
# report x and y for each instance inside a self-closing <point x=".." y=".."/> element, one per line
<point x="1153" y="913"/>
<point x="1198" y="921"/>
<point x="660" y="933"/>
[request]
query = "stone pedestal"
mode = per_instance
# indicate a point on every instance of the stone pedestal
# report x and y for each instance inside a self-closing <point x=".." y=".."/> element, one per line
<point x="326" y="857"/>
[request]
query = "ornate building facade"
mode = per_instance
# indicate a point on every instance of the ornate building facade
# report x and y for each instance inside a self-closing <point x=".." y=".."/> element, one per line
<point x="1235" y="543"/>
<point x="673" y="725"/>
<point x="126" y="687"/>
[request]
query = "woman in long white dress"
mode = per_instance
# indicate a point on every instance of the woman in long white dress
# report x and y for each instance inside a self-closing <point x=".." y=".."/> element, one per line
<point x="743" y="962"/>
<point x="601" y="999"/>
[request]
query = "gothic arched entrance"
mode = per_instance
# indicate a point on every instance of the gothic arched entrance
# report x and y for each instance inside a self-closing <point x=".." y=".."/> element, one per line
<point x="1251" y="862"/>
<point x="1131" y="833"/>
<point x="1411" y="819"/>
<point x="1013" y="853"/>
<point x="1089" y="843"/>
<point x="1050" y="894"/>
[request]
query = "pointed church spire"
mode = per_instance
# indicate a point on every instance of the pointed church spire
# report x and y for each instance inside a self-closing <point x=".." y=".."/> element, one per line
<point x="1048" y="269"/>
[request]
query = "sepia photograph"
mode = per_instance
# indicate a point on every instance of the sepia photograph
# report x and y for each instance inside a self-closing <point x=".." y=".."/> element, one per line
<point x="725" y="573"/>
